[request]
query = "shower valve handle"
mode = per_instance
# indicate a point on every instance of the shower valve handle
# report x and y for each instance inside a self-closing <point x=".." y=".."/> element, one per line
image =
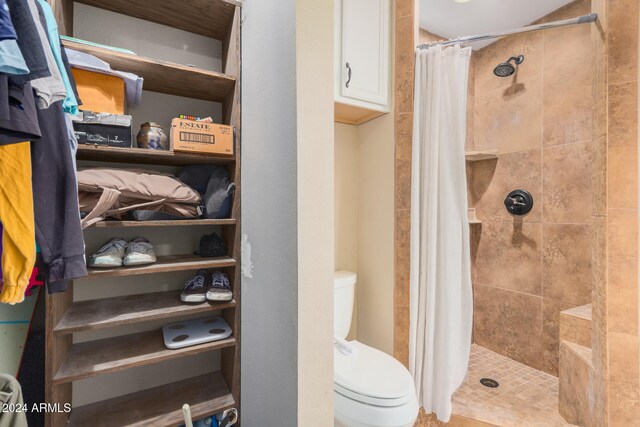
<point x="514" y="201"/>
<point x="519" y="202"/>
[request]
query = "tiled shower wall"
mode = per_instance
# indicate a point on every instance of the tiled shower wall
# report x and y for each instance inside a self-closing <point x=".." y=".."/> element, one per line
<point x="528" y="269"/>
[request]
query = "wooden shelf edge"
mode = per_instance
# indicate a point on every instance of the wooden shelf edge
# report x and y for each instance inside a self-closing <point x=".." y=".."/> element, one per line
<point x="123" y="310"/>
<point x="159" y="406"/>
<point x="92" y="358"/>
<point x="163" y="76"/>
<point x="167" y="223"/>
<point x="164" y="264"/>
<point x="99" y="153"/>
<point x="213" y="17"/>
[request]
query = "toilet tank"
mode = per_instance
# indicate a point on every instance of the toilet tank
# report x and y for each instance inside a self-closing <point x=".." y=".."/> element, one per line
<point x="344" y="286"/>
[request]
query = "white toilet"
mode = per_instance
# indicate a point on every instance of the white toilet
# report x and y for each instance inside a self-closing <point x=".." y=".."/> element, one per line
<point x="370" y="388"/>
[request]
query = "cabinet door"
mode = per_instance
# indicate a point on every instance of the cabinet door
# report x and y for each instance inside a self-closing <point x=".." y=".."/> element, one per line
<point x="365" y="50"/>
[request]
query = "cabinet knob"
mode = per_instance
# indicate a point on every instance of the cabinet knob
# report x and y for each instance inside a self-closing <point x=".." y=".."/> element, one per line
<point x="348" y="75"/>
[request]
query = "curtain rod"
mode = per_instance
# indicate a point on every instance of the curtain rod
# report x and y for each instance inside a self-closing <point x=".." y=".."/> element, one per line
<point x="585" y="19"/>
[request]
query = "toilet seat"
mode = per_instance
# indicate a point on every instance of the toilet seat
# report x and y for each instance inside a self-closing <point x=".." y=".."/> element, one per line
<point x="372" y="377"/>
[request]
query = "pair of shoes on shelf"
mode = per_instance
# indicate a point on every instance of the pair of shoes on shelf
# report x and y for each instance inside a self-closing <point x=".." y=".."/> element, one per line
<point x="207" y="286"/>
<point x="117" y="252"/>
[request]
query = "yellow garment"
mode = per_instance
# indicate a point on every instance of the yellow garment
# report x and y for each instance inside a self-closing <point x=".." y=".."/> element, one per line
<point x="16" y="214"/>
<point x="100" y="92"/>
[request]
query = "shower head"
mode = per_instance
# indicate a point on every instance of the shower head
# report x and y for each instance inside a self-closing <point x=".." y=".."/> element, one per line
<point x="506" y="68"/>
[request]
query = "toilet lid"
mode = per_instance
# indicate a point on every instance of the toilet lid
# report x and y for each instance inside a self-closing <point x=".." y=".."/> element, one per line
<point x="371" y="376"/>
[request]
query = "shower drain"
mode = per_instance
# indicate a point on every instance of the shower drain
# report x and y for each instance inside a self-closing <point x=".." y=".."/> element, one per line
<point x="488" y="382"/>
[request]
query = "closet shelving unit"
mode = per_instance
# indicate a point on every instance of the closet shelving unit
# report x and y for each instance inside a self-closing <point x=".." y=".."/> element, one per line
<point x="67" y="361"/>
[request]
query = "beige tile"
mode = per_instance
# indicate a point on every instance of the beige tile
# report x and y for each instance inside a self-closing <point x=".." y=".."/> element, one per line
<point x="471" y="86"/>
<point x="600" y="176"/>
<point x="402" y="257"/>
<point x="622" y="38"/>
<point x="404" y="64"/>
<point x="575" y="327"/>
<point x="599" y="373"/>
<point x="509" y="323"/>
<point x="469" y="143"/>
<point x="495" y="179"/>
<point x="403" y="135"/>
<point x="509" y="119"/>
<point x="574" y="386"/>
<point x="624" y="386"/>
<point x="551" y="333"/>
<point x="599" y="81"/>
<point x="401" y="334"/>
<point x="525" y="397"/>
<point x="568" y="189"/>
<point x="509" y="257"/>
<point x="566" y="257"/>
<point x="622" y="295"/>
<point x="404" y="8"/>
<point x="568" y="102"/>
<point x="403" y="184"/>
<point x="623" y="146"/>
<point x="530" y="45"/>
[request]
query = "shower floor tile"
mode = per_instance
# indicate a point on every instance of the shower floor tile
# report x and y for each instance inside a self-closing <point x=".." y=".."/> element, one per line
<point x="525" y="396"/>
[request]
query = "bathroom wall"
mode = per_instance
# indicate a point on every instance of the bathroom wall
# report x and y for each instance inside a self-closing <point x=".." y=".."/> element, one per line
<point x="287" y="207"/>
<point x="314" y="92"/>
<point x="528" y="269"/>
<point x="363" y="233"/>
<point x="346" y="205"/>
<point x="375" y="233"/>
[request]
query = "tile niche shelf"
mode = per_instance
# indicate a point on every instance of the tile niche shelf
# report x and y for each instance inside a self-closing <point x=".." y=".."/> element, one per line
<point x="476" y="156"/>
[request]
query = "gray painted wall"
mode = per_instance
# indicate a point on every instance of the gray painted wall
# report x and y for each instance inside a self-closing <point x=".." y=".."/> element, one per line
<point x="269" y="299"/>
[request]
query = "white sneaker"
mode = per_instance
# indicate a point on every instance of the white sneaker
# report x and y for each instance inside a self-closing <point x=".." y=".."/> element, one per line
<point x="110" y="255"/>
<point x="139" y="252"/>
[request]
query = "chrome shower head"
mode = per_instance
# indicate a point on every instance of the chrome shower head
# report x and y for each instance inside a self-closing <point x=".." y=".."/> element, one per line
<point x="506" y="68"/>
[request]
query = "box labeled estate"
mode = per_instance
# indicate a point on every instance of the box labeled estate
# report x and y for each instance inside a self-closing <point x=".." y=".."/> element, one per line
<point x="200" y="137"/>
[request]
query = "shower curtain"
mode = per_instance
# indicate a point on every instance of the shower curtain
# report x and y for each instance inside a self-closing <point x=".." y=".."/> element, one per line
<point x="441" y="294"/>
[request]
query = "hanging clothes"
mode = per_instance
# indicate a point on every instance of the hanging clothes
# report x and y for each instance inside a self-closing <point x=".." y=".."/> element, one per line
<point x="11" y="59"/>
<point x="41" y="173"/>
<point x="70" y="104"/>
<point x="48" y="89"/>
<point x="28" y="42"/>
<point x="16" y="214"/>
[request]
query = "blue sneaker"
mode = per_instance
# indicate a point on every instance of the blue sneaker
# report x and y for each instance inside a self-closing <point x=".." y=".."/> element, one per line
<point x="195" y="290"/>
<point x="219" y="288"/>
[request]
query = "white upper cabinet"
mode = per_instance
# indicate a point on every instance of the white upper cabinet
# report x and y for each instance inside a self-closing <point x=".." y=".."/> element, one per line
<point x="362" y="59"/>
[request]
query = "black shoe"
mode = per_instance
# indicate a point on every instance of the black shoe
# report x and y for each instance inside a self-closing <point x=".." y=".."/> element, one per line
<point x="195" y="290"/>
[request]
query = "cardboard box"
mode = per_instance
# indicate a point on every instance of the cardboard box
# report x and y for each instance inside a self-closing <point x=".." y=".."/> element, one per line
<point x="99" y="134"/>
<point x="198" y="137"/>
<point x="100" y="92"/>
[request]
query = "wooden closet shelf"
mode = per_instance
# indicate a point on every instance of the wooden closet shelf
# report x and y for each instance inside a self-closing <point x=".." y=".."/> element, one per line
<point x="92" y="358"/>
<point x="160" y="406"/>
<point x="165" y="77"/>
<point x="164" y="264"/>
<point x="210" y="18"/>
<point x="122" y="310"/>
<point x="142" y="155"/>
<point x="168" y="223"/>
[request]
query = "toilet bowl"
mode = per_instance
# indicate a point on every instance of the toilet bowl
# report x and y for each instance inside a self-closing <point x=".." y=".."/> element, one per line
<point x="371" y="388"/>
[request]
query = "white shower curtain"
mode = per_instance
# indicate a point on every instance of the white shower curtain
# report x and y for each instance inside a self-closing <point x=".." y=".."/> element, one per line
<point x="441" y="294"/>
